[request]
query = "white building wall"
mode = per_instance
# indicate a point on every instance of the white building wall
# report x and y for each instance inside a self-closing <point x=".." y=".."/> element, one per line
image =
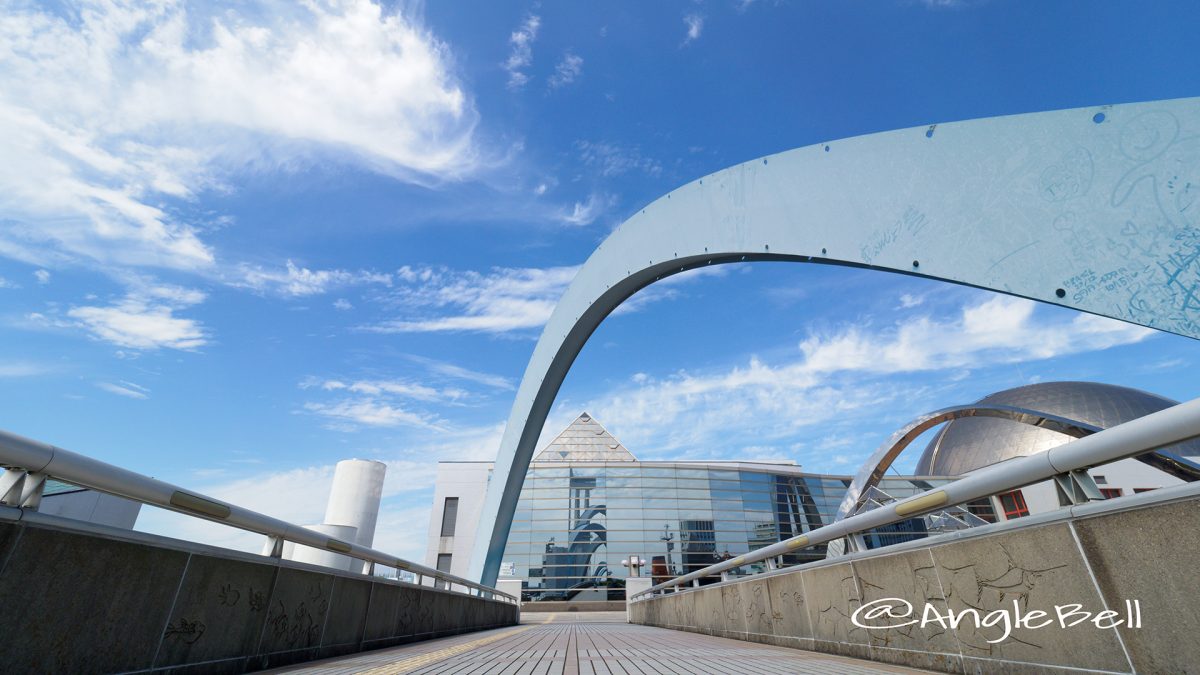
<point x="93" y="507"/>
<point x="468" y="481"/>
<point x="1127" y="475"/>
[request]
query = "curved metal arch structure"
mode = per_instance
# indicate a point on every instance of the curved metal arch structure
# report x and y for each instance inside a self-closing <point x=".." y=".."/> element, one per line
<point x="1090" y="208"/>
<point x="880" y="461"/>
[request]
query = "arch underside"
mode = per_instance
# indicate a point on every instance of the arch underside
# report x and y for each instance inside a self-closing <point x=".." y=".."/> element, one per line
<point x="1091" y="208"/>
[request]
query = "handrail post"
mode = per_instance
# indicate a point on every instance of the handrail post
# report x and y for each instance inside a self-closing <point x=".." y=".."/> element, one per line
<point x="274" y="547"/>
<point x="11" y="485"/>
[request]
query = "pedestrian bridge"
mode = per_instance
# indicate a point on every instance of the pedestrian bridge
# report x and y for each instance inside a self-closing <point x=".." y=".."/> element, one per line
<point x="590" y="643"/>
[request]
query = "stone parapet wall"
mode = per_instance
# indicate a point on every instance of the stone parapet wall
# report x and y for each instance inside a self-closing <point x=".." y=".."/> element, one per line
<point x="83" y="602"/>
<point x="1150" y="554"/>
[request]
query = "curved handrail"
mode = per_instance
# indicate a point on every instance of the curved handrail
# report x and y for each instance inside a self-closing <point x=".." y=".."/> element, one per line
<point x="33" y="457"/>
<point x="878" y="463"/>
<point x="1156" y="430"/>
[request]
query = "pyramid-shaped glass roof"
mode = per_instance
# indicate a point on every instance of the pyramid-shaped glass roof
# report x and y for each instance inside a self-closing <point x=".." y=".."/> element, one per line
<point x="585" y="440"/>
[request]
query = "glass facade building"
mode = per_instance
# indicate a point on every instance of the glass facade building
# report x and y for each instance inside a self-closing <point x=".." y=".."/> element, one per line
<point x="576" y="522"/>
<point x="587" y="504"/>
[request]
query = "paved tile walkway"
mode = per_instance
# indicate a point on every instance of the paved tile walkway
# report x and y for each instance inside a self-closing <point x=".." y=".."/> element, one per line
<point x="592" y="643"/>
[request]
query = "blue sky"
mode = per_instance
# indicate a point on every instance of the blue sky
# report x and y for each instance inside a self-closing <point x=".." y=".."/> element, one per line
<point x="242" y="241"/>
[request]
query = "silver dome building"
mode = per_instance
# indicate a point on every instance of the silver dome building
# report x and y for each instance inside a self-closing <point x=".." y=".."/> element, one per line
<point x="970" y="443"/>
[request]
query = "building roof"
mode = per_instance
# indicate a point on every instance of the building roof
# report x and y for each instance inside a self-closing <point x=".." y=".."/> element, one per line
<point x="969" y="443"/>
<point x="585" y="440"/>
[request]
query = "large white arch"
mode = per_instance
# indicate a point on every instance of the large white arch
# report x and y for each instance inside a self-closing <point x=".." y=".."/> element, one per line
<point x="1091" y="208"/>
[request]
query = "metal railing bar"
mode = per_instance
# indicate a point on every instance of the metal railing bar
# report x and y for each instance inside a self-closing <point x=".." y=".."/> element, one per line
<point x="22" y="454"/>
<point x="1156" y="430"/>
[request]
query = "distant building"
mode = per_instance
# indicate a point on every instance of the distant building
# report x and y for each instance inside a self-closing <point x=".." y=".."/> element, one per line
<point x="79" y="503"/>
<point x="588" y="503"/>
<point x="971" y="443"/>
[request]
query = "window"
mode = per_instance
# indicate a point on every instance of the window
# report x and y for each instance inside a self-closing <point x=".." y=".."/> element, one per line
<point x="443" y="565"/>
<point x="1100" y="480"/>
<point x="449" y="517"/>
<point x="1110" y="493"/>
<point x="1141" y="490"/>
<point x="1013" y="504"/>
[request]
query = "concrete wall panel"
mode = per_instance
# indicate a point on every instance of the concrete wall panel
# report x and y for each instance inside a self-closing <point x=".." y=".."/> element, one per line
<point x="382" y="612"/>
<point x="1036" y="568"/>
<point x="219" y="612"/>
<point x="296" y="615"/>
<point x="789" y="611"/>
<point x="346" y="621"/>
<point x="1153" y="556"/>
<point x="911" y="577"/>
<point x="85" y="604"/>
<point x="833" y="595"/>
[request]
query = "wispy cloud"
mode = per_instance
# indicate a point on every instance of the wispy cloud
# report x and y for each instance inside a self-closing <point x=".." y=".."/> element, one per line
<point x="586" y="212"/>
<point x="567" y="71"/>
<point x="126" y="389"/>
<point x="9" y="369"/>
<point x="353" y="403"/>
<point x="500" y="301"/>
<point x="144" y="319"/>
<point x="458" y="372"/>
<point x="695" y="26"/>
<point x="349" y="414"/>
<point x="611" y="159"/>
<point x="521" y="55"/>
<point x="843" y="378"/>
<point x="42" y="276"/>
<point x="115" y="118"/>
<point x="296" y="281"/>
<point x="1001" y="330"/>
<point x="398" y="388"/>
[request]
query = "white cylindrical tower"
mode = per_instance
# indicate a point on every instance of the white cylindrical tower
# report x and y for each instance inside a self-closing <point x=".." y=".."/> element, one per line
<point x="354" y="499"/>
<point x="322" y="557"/>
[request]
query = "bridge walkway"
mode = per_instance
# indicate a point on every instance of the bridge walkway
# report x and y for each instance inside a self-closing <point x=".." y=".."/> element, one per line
<point x="593" y="643"/>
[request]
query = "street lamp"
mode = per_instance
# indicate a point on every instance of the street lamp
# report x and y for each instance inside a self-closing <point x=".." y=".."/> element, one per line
<point x="634" y="564"/>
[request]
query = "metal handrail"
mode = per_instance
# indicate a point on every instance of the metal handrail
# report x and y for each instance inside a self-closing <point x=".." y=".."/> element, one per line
<point x="1156" y="430"/>
<point x="31" y="460"/>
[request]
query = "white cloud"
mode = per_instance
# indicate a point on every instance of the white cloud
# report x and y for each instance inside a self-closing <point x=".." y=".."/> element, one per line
<point x="42" y="276"/>
<point x="399" y="388"/>
<point x="695" y="25"/>
<point x="567" y="71"/>
<point x="843" y="378"/>
<point x="503" y="300"/>
<point x="109" y="113"/>
<point x="1000" y="330"/>
<point x="586" y="212"/>
<point x="126" y="389"/>
<point x="299" y="282"/>
<point x="460" y="373"/>
<point x="342" y="304"/>
<point x="21" y="369"/>
<point x="347" y="414"/>
<point x="611" y="159"/>
<point x="521" y="56"/>
<point x="908" y="301"/>
<point x="352" y="404"/>
<point x="143" y="319"/>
